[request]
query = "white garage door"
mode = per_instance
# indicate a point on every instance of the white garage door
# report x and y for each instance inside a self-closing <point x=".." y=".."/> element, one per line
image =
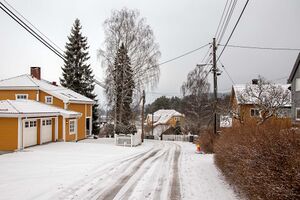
<point x="46" y="130"/>
<point x="30" y="133"/>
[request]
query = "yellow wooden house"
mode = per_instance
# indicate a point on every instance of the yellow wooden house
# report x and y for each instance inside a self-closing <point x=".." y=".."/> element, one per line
<point x="35" y="111"/>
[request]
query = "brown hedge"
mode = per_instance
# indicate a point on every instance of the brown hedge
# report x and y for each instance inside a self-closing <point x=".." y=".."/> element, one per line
<point x="261" y="162"/>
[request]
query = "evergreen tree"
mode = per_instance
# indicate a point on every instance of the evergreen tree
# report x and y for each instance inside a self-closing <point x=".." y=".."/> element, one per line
<point x="77" y="74"/>
<point x="123" y="90"/>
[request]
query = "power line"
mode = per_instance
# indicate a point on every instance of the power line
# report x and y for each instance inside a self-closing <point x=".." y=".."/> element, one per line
<point x="207" y="54"/>
<point x="29" y="30"/>
<point x="15" y="10"/>
<point x="262" y="48"/>
<point x="233" y="29"/>
<point x="220" y="37"/>
<point x="221" y="18"/>
<point x="224" y="19"/>
<point x="232" y="81"/>
<point x="185" y="54"/>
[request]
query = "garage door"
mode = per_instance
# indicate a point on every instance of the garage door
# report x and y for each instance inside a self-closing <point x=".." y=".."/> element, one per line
<point x="29" y="133"/>
<point x="46" y="130"/>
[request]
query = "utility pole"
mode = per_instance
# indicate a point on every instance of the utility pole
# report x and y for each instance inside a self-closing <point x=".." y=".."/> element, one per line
<point x="143" y="105"/>
<point x="214" y="69"/>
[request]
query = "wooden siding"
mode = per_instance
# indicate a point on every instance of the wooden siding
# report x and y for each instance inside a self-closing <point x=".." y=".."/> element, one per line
<point x="60" y="128"/>
<point x="11" y="94"/>
<point x="56" y="102"/>
<point x="172" y="121"/>
<point x="8" y="134"/>
<point x="81" y="131"/>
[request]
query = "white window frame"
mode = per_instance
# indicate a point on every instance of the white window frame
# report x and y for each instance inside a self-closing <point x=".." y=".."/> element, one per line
<point x="298" y="119"/>
<point x="254" y="112"/>
<point x="17" y="96"/>
<point x="51" y="99"/>
<point x="73" y="121"/>
<point x="46" y="122"/>
<point x="297" y="84"/>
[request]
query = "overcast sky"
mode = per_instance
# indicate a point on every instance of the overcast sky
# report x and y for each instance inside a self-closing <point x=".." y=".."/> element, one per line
<point x="179" y="26"/>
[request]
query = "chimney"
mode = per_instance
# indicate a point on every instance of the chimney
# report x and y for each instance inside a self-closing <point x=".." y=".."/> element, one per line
<point x="254" y="81"/>
<point x="54" y="83"/>
<point x="35" y="72"/>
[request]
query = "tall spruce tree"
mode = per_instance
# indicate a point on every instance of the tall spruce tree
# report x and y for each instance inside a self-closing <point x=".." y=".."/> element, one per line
<point x="123" y="90"/>
<point x="77" y="74"/>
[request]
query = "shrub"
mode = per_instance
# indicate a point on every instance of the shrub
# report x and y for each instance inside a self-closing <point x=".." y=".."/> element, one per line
<point x="206" y="141"/>
<point x="262" y="162"/>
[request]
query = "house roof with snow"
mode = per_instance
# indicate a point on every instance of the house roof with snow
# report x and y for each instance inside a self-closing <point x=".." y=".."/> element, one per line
<point x="13" y="108"/>
<point x="238" y="90"/>
<point x="27" y="82"/>
<point x="163" y="116"/>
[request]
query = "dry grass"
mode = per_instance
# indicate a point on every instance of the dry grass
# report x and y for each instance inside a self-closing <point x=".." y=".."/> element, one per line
<point x="261" y="162"/>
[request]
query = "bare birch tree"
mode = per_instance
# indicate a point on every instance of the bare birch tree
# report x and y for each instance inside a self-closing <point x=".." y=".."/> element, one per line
<point x="196" y="93"/>
<point x="127" y="27"/>
<point x="266" y="97"/>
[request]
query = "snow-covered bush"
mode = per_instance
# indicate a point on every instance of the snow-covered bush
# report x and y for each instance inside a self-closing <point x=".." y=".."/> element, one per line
<point x="262" y="162"/>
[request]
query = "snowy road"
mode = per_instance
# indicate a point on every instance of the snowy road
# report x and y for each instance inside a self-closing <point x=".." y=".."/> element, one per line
<point x="156" y="170"/>
<point x="148" y="175"/>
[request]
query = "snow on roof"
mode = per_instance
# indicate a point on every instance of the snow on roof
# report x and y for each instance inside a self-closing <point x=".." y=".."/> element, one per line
<point x="22" y="81"/>
<point x="28" y="82"/>
<point x="240" y="88"/>
<point x="30" y="107"/>
<point x="163" y="116"/>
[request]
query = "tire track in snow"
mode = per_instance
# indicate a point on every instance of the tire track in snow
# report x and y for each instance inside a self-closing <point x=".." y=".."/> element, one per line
<point x="85" y="186"/>
<point x="175" y="193"/>
<point x="140" y="174"/>
<point x="149" y="171"/>
<point x="163" y="176"/>
<point x="111" y="192"/>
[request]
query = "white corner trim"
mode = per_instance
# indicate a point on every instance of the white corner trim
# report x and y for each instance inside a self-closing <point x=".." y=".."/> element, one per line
<point x="64" y="128"/>
<point x="56" y="128"/>
<point x="20" y="138"/>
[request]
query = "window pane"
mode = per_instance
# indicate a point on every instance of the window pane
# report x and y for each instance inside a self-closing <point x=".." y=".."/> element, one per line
<point x="297" y="84"/>
<point x="26" y="124"/>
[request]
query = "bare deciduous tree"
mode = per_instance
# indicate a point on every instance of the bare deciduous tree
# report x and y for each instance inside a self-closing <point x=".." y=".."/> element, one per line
<point x="268" y="98"/>
<point x="196" y="92"/>
<point x="127" y="27"/>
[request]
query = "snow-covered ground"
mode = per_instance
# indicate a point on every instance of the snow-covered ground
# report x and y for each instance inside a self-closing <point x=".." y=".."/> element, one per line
<point x="97" y="169"/>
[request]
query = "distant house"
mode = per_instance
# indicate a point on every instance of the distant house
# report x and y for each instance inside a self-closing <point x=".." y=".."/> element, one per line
<point x="294" y="80"/>
<point x="161" y="120"/>
<point x="246" y="109"/>
<point x="34" y="111"/>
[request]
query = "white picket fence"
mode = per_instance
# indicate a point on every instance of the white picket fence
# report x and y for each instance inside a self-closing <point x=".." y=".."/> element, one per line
<point x="129" y="140"/>
<point x="175" y="137"/>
